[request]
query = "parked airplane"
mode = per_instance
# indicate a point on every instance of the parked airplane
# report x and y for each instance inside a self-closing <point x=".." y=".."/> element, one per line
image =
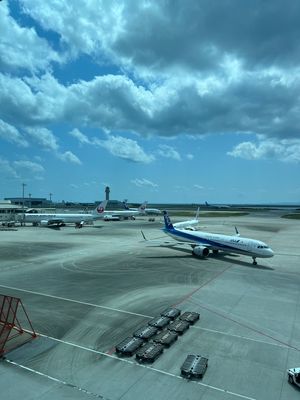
<point x="147" y="211"/>
<point x="189" y="224"/>
<point x="204" y="242"/>
<point x="124" y="214"/>
<point x="58" y="220"/>
<point x="216" y="205"/>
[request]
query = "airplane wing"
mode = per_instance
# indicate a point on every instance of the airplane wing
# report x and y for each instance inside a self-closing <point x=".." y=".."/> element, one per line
<point x="160" y="241"/>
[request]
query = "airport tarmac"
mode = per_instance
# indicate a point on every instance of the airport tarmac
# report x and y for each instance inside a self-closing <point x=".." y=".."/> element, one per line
<point x="85" y="290"/>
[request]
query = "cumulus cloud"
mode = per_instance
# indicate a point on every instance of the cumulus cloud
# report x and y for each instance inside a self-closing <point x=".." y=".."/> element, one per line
<point x="127" y="149"/>
<point x="68" y="156"/>
<point x="229" y="80"/>
<point x="144" y="183"/>
<point x="168" y="152"/>
<point x="284" y="150"/>
<point x="29" y="165"/>
<point x="21" y="47"/>
<point x="83" y="139"/>
<point x="44" y="138"/>
<point x="6" y="169"/>
<point x="190" y="156"/>
<point x="11" y="134"/>
<point x="167" y="26"/>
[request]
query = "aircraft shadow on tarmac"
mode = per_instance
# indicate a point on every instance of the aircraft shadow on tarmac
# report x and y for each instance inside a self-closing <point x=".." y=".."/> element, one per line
<point x="225" y="257"/>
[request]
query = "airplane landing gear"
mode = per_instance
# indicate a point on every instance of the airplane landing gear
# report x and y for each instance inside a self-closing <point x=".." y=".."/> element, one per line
<point x="254" y="261"/>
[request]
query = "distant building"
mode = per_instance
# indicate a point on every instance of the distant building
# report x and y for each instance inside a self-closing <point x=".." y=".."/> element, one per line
<point x="30" y="201"/>
<point x="9" y="211"/>
<point x="107" y="191"/>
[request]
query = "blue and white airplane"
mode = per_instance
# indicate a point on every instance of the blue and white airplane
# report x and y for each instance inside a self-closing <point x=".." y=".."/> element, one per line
<point x="189" y="224"/>
<point x="204" y="242"/>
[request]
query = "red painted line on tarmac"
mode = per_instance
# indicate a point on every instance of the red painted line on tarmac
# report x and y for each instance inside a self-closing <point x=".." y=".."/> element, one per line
<point x="200" y="287"/>
<point x="111" y="351"/>
<point x="250" y="328"/>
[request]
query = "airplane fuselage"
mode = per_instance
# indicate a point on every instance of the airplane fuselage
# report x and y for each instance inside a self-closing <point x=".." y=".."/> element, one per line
<point x="226" y="243"/>
<point x="67" y="218"/>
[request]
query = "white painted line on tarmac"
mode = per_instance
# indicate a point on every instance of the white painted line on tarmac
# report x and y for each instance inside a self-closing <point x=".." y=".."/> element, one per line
<point x="76" y="301"/>
<point x="127" y="362"/>
<point x="140" y="315"/>
<point x="55" y="379"/>
<point x="240" y="336"/>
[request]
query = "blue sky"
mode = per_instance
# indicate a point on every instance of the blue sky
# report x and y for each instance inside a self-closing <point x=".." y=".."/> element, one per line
<point x="165" y="101"/>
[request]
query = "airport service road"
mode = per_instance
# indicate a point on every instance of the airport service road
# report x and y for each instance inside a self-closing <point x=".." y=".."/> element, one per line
<point x="87" y="289"/>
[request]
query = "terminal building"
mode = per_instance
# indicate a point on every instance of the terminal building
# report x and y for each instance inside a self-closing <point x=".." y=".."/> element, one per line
<point x="9" y="212"/>
<point x="30" y="202"/>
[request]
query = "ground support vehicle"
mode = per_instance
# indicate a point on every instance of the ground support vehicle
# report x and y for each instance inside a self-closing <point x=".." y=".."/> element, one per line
<point x="145" y="332"/>
<point x="194" y="366"/>
<point x="149" y="352"/>
<point x="159" y="322"/>
<point x="179" y="326"/>
<point x="171" y="313"/>
<point x="166" y="338"/>
<point x="190" y="317"/>
<point x="128" y="346"/>
<point x="294" y="376"/>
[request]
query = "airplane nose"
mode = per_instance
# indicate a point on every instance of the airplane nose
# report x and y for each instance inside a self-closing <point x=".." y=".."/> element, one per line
<point x="270" y="252"/>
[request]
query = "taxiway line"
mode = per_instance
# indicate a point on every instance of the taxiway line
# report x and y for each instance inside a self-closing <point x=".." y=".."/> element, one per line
<point x="76" y="301"/>
<point x="241" y="396"/>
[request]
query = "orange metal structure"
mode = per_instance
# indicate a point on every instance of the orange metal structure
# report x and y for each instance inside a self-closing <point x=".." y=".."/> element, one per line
<point x="10" y="325"/>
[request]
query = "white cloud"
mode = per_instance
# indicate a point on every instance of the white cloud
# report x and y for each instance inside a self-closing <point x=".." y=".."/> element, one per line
<point x="198" y="187"/>
<point x="6" y="169"/>
<point x="144" y="183"/>
<point x="68" y="156"/>
<point x="21" y="47"/>
<point x="168" y="152"/>
<point x="44" y="138"/>
<point x="11" y="134"/>
<point x="190" y="156"/>
<point x="48" y="141"/>
<point x="287" y="150"/>
<point x="29" y="165"/>
<point x="127" y="149"/>
<point x="83" y="139"/>
<point x="196" y="91"/>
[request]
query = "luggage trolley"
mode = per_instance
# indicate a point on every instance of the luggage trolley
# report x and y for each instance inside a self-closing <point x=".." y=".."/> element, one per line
<point x="149" y="352"/>
<point x="190" y="317"/>
<point x="194" y="366"/>
<point x="179" y="326"/>
<point x="145" y="332"/>
<point x="128" y="346"/>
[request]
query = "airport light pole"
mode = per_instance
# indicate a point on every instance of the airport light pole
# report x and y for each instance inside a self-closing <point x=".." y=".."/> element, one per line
<point x="23" y="214"/>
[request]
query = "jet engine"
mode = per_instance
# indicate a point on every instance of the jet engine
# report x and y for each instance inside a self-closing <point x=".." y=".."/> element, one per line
<point x="200" y="251"/>
<point x="44" y="222"/>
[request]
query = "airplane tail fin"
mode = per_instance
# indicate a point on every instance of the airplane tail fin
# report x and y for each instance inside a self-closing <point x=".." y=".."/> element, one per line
<point x="99" y="210"/>
<point x="206" y="203"/>
<point x="168" y="223"/>
<point x="125" y="204"/>
<point x="142" y="207"/>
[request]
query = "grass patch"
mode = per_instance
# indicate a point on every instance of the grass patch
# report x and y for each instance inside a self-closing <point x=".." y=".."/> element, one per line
<point x="291" y="216"/>
<point x="209" y="213"/>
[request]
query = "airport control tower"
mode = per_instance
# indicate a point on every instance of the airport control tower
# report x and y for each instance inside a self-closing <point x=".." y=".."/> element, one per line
<point x="107" y="190"/>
